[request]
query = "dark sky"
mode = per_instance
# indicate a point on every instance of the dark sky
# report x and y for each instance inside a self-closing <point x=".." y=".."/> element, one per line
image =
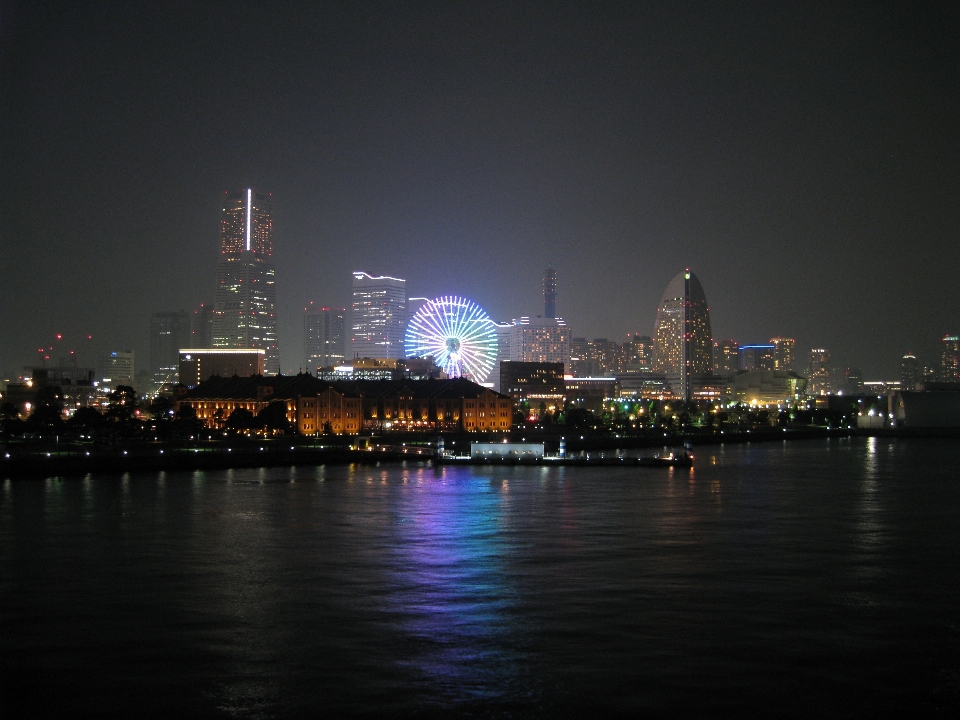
<point x="802" y="160"/>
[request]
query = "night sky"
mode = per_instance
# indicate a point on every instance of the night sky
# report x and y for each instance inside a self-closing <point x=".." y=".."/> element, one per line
<point x="802" y="160"/>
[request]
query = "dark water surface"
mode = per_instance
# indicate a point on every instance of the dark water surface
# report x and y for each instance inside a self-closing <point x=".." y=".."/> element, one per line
<point x="818" y="578"/>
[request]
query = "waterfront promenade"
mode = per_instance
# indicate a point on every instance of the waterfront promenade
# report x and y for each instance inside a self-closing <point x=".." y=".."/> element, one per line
<point x="40" y="458"/>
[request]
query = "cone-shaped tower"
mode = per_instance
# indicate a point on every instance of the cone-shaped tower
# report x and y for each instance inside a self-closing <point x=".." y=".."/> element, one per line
<point x="683" y="342"/>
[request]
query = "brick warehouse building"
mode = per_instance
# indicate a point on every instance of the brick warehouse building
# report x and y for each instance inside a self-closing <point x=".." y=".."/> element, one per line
<point x="354" y="406"/>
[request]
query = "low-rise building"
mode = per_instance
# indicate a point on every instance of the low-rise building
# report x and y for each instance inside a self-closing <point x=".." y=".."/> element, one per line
<point x="532" y="380"/>
<point x="200" y="364"/>
<point x="318" y="406"/>
<point x="590" y="392"/>
<point x="766" y="387"/>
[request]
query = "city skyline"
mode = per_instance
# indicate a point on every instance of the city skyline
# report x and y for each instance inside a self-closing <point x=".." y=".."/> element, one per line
<point x="782" y="351"/>
<point x="799" y="158"/>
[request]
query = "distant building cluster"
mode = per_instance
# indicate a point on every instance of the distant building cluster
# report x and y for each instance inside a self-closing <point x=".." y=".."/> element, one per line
<point x="383" y="335"/>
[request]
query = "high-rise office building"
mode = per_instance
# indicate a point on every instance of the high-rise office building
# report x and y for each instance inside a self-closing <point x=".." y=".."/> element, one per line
<point x="324" y="337"/>
<point x="169" y="331"/>
<point x="683" y="342"/>
<point x="599" y="357"/>
<point x="726" y="357"/>
<point x="245" y="307"/>
<point x="582" y="363"/>
<point x="201" y="332"/>
<point x="378" y="317"/>
<point x="540" y="340"/>
<point x="757" y="357"/>
<point x="784" y="353"/>
<point x="950" y="359"/>
<point x="819" y="380"/>
<point x="638" y="353"/>
<point x="117" y="368"/>
<point x="550" y="293"/>
<point x="909" y="372"/>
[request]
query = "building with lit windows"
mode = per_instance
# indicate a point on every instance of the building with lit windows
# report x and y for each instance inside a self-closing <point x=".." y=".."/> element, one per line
<point x="324" y="337"/>
<point x="726" y="357"/>
<point x="950" y="359"/>
<point x="819" y="380"/>
<point x="683" y="342"/>
<point x="550" y="293"/>
<point x="378" y="316"/>
<point x="117" y="368"/>
<point x="909" y="372"/>
<point x="540" y="340"/>
<point x="169" y="331"/>
<point x="589" y="393"/>
<point x="532" y="380"/>
<point x="319" y="407"/>
<point x="784" y="353"/>
<point x="245" y="305"/>
<point x="766" y="387"/>
<point x="581" y="363"/>
<point x="757" y="357"/>
<point x="384" y="369"/>
<point x="199" y="364"/>
<point x="638" y="353"/>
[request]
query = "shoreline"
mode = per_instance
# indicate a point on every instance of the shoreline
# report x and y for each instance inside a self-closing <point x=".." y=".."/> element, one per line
<point x="38" y="460"/>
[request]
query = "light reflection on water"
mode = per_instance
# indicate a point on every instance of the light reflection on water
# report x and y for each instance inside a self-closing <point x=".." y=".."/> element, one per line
<point x="450" y="588"/>
<point x="788" y="576"/>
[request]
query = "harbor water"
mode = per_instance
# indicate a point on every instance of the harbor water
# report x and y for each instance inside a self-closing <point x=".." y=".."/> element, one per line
<point x="795" y="579"/>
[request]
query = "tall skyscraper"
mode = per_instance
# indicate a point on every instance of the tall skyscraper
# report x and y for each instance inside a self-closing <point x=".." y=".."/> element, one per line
<point x="819" y="381"/>
<point x="201" y="332"/>
<point x="950" y="359"/>
<point x="784" y="353"/>
<point x="324" y="337"/>
<point x="169" y="331"/>
<point x="378" y="317"/>
<point x="550" y="293"/>
<point x="683" y="342"/>
<point x="245" y="306"/>
<point x="909" y="372"/>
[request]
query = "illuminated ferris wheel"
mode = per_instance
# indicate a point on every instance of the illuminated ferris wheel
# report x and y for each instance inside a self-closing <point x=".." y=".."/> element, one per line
<point x="459" y="335"/>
